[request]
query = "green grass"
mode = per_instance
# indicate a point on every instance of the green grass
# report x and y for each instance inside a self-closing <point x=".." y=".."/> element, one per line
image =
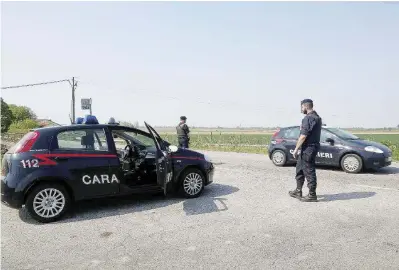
<point x="248" y="143"/>
<point x="256" y="143"/>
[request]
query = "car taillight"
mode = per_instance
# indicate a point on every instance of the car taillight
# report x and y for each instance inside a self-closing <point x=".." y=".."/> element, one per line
<point x="275" y="133"/>
<point x="26" y="143"/>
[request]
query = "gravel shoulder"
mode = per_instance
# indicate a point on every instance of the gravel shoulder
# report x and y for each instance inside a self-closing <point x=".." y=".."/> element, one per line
<point x="245" y="220"/>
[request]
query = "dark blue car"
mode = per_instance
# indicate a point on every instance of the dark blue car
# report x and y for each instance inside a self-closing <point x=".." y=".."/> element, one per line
<point x="50" y="168"/>
<point x="338" y="148"/>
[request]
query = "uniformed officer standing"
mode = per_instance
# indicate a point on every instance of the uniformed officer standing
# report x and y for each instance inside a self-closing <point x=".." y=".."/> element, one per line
<point x="183" y="133"/>
<point x="308" y="144"/>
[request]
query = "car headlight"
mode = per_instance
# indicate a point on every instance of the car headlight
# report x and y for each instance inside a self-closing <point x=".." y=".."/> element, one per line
<point x="207" y="158"/>
<point x="373" y="149"/>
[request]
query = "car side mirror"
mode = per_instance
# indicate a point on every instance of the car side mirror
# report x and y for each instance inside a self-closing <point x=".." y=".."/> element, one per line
<point x="173" y="148"/>
<point x="330" y="141"/>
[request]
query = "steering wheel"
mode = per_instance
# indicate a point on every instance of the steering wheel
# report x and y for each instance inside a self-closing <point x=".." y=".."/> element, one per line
<point x="127" y="151"/>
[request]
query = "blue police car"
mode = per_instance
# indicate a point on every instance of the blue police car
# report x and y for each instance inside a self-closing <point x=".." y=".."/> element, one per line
<point x="338" y="148"/>
<point x="50" y="168"/>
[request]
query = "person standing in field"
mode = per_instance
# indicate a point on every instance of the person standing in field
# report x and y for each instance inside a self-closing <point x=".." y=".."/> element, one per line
<point x="306" y="150"/>
<point x="183" y="133"/>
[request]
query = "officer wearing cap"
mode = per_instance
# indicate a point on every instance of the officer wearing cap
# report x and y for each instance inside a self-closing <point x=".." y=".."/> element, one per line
<point x="306" y="150"/>
<point x="183" y="133"/>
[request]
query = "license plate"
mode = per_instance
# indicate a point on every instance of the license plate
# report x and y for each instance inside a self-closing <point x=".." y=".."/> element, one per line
<point x="389" y="159"/>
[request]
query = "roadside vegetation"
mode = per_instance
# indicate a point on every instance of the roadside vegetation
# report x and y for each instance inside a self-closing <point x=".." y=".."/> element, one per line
<point x="257" y="143"/>
<point x="18" y="120"/>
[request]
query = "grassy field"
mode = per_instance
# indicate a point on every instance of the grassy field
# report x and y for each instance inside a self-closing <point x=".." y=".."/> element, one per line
<point x="256" y="143"/>
<point x="248" y="141"/>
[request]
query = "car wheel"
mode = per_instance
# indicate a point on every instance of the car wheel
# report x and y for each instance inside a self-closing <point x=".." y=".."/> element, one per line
<point x="192" y="184"/>
<point x="279" y="158"/>
<point x="351" y="163"/>
<point x="48" y="202"/>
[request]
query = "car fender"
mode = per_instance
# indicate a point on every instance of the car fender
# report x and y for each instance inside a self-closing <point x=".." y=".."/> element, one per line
<point x="349" y="151"/>
<point x="281" y="148"/>
<point x="38" y="175"/>
<point x="184" y="166"/>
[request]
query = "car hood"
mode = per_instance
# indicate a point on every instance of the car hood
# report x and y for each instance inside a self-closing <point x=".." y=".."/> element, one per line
<point x="364" y="143"/>
<point x="188" y="153"/>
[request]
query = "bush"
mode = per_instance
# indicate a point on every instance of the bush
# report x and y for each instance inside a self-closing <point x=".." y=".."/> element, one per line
<point x="20" y="113"/>
<point x="6" y="116"/>
<point x="24" y="125"/>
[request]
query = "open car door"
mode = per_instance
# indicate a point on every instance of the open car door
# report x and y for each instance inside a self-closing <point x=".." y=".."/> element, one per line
<point x="162" y="160"/>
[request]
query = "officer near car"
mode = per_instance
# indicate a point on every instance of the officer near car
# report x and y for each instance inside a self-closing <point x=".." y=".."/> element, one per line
<point x="183" y="133"/>
<point x="306" y="151"/>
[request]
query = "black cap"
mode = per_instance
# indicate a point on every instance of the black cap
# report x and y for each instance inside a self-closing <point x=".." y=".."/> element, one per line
<point x="307" y="100"/>
<point x="183" y="118"/>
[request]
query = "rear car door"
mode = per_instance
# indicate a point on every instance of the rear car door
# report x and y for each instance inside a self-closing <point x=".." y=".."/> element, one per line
<point x="83" y="155"/>
<point x="162" y="160"/>
<point x="289" y="140"/>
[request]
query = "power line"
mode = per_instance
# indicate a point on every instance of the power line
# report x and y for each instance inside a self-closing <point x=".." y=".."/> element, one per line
<point x="197" y="100"/>
<point x="34" y="84"/>
<point x="73" y="85"/>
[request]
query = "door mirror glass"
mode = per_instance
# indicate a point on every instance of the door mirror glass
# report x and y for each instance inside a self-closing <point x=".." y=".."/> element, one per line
<point x="173" y="148"/>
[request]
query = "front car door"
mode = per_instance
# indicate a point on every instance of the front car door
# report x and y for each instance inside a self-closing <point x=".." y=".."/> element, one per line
<point x="121" y="137"/>
<point x="162" y="160"/>
<point x="83" y="157"/>
<point x="328" y="152"/>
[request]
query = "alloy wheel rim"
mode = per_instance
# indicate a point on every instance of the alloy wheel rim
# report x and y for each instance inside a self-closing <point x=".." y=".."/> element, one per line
<point x="192" y="184"/>
<point x="278" y="157"/>
<point x="351" y="164"/>
<point x="49" y="203"/>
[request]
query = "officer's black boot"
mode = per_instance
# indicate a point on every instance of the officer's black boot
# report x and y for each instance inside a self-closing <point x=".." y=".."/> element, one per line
<point x="297" y="193"/>
<point x="311" y="197"/>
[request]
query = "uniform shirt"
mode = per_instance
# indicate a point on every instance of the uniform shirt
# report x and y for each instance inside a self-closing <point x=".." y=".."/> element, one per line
<point x="311" y="127"/>
<point x="182" y="130"/>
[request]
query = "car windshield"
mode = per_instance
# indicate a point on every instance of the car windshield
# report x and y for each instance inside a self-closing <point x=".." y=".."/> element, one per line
<point x="138" y="138"/>
<point x="343" y="134"/>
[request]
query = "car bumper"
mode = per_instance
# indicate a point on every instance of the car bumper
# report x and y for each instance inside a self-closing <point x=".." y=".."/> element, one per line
<point x="377" y="162"/>
<point x="9" y="197"/>
<point x="210" y="172"/>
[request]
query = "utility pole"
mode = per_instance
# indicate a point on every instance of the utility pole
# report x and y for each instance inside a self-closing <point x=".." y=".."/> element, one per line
<point x="74" y="84"/>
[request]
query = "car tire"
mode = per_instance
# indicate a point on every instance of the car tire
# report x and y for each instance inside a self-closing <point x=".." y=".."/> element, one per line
<point x="192" y="183"/>
<point x="279" y="158"/>
<point x="57" y="199"/>
<point x="352" y="163"/>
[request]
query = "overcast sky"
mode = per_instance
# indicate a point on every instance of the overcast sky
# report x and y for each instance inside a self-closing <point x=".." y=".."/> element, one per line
<point x="220" y="64"/>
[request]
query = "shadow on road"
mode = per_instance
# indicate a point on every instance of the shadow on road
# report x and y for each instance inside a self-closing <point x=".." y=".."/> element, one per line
<point x="386" y="170"/>
<point x="383" y="171"/>
<point x="344" y="196"/>
<point x="207" y="203"/>
<point x="100" y="208"/>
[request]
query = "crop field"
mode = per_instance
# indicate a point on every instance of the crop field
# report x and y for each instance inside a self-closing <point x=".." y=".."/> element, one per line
<point x="248" y="141"/>
<point x="257" y="143"/>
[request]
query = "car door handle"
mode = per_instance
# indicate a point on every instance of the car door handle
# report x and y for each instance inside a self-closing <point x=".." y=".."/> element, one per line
<point x="61" y="158"/>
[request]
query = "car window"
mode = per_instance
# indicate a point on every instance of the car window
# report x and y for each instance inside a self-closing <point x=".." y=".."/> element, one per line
<point x="291" y="133"/>
<point x="89" y="139"/>
<point x="324" y="135"/>
<point x="343" y="134"/>
<point x="137" y="138"/>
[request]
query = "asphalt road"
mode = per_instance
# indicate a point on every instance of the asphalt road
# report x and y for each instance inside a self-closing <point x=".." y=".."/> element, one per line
<point x="245" y="220"/>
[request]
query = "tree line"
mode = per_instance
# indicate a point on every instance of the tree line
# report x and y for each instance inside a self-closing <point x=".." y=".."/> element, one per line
<point x="14" y="117"/>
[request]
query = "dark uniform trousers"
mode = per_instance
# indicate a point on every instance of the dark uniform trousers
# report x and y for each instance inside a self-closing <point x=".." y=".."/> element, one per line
<point x="306" y="167"/>
<point x="183" y="142"/>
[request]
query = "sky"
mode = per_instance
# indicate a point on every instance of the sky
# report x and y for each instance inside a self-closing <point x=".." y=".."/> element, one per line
<point x="218" y="63"/>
